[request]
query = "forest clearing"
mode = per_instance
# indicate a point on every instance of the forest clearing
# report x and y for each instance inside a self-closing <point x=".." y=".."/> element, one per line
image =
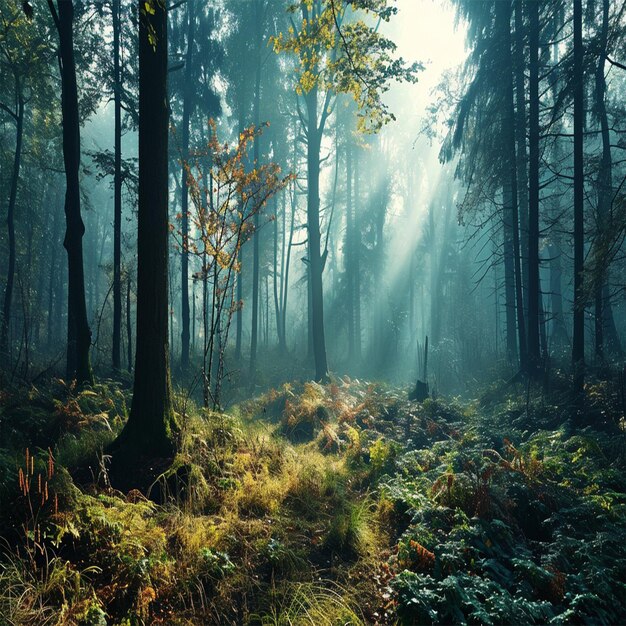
<point x="312" y="312"/>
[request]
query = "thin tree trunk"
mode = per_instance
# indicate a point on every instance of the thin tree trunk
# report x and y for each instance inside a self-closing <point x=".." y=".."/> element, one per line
<point x="356" y="255"/>
<point x="184" y="260"/>
<point x="8" y="291"/>
<point x="605" y="331"/>
<point x="533" y="201"/>
<point x="350" y="251"/>
<point x="256" y="258"/>
<point x="578" y="345"/>
<point x="313" y="225"/>
<point x="515" y="163"/>
<point x="521" y="159"/>
<point x="129" y="329"/>
<point x="117" y="190"/>
<point x="54" y="309"/>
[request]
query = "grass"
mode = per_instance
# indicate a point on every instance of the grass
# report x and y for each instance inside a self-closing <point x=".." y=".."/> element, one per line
<point x="386" y="511"/>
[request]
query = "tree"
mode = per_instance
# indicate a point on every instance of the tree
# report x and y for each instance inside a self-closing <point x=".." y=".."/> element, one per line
<point x="605" y="331"/>
<point x="224" y="210"/>
<point x="578" y="343"/>
<point x="187" y="105"/>
<point x="151" y="426"/>
<point x="533" y="195"/>
<point x="78" y="331"/>
<point x="336" y="56"/>
<point x="117" y="184"/>
<point x="13" y="62"/>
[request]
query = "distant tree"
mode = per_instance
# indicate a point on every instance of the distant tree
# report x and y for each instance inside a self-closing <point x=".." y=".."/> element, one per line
<point x="24" y="53"/>
<point x="606" y="335"/>
<point x="337" y="53"/>
<point x="194" y="41"/>
<point x="578" y="343"/>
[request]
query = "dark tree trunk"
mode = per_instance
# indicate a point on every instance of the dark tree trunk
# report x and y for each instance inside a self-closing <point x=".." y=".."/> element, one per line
<point x="184" y="260"/>
<point x="78" y="332"/>
<point x="512" y="191"/>
<point x="8" y="291"/>
<point x="533" y="182"/>
<point x="605" y="331"/>
<point x="255" y="238"/>
<point x="558" y="336"/>
<point x="54" y="308"/>
<point x="313" y="226"/>
<point x="509" y="174"/>
<point x="239" y="313"/>
<point x="129" y="329"/>
<point x="578" y="345"/>
<point x="117" y="190"/>
<point x="522" y="168"/>
<point x="509" y="273"/>
<point x="151" y="426"/>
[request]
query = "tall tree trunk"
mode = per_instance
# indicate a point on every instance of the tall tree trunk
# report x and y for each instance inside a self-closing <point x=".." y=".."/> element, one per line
<point x="605" y="331"/>
<point x="350" y="251"/>
<point x="255" y="241"/>
<point x="54" y="306"/>
<point x="509" y="271"/>
<point x="184" y="259"/>
<point x="129" y="329"/>
<point x="8" y="291"/>
<point x="78" y="332"/>
<point x="151" y="425"/>
<point x="511" y="192"/>
<point x="356" y="256"/>
<point x="288" y="264"/>
<point x="558" y="336"/>
<point x="239" y="313"/>
<point x="533" y="197"/>
<point x="578" y="345"/>
<point x="314" y="137"/>
<point x="521" y="221"/>
<point x="117" y="190"/>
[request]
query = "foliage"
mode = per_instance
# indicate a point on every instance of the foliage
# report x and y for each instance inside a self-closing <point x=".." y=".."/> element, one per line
<point x="226" y="196"/>
<point x="339" y="55"/>
<point x="440" y="512"/>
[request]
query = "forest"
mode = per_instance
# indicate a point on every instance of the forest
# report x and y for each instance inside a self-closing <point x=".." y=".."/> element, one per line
<point x="313" y="312"/>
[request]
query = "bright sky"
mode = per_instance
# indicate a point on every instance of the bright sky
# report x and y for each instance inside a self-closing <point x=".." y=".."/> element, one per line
<point x="424" y="30"/>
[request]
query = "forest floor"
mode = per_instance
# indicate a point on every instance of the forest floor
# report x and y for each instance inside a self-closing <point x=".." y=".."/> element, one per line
<point x="322" y="505"/>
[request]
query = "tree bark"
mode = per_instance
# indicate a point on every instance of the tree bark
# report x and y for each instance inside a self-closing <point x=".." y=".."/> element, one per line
<point x="184" y="259"/>
<point x="255" y="242"/>
<point x="129" y="329"/>
<point x="151" y="426"/>
<point x="605" y="331"/>
<point x="117" y="190"/>
<point x="314" y="134"/>
<point x="350" y="251"/>
<point x="533" y="196"/>
<point x="78" y="331"/>
<point x="521" y="231"/>
<point x="8" y="291"/>
<point x="578" y="345"/>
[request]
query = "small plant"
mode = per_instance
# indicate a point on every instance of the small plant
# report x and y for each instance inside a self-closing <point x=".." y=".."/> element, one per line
<point x="35" y="495"/>
<point x="382" y="456"/>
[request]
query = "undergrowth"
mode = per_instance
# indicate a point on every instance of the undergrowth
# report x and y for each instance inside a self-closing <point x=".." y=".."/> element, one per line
<point x="336" y="504"/>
